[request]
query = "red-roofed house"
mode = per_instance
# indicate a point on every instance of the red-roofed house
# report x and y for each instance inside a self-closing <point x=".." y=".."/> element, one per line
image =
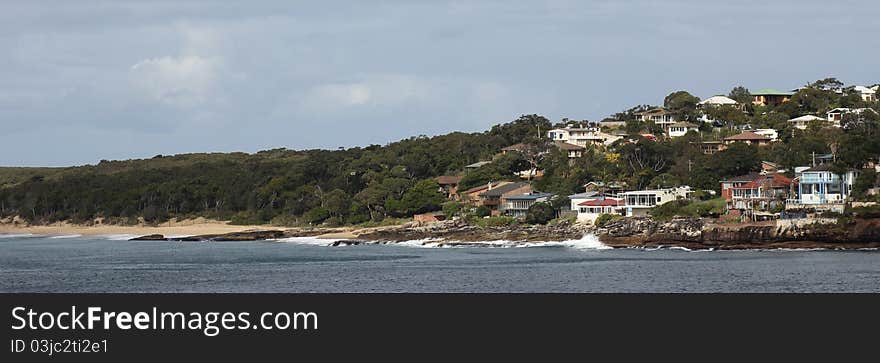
<point x="590" y="210"/>
<point x="756" y="192"/>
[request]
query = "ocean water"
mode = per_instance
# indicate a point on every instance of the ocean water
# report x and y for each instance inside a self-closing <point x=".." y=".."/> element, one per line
<point x="113" y="264"/>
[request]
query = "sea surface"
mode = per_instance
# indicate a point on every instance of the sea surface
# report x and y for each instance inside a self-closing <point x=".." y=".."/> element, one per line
<point x="113" y="264"/>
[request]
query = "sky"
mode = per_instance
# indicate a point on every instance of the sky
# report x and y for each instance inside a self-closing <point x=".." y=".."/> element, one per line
<point x="82" y="81"/>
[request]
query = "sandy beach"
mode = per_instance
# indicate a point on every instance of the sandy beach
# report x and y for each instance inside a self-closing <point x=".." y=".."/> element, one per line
<point x="199" y="226"/>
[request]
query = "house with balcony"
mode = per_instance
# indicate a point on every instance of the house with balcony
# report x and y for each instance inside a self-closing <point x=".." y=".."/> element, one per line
<point x="493" y="197"/>
<point x="820" y="189"/>
<point x="589" y="210"/>
<point x="582" y="137"/>
<point x="757" y="191"/>
<point x="659" y="116"/>
<point x="867" y="94"/>
<point x="748" y="137"/>
<point x="449" y="185"/>
<point x="770" y="97"/>
<point x="638" y="203"/>
<point x="835" y="116"/>
<point x="517" y="205"/>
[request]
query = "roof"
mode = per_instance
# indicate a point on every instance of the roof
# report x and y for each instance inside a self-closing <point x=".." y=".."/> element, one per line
<point x="501" y="190"/>
<point x="820" y="167"/>
<point x="482" y="187"/>
<point x="770" y="163"/>
<point x="863" y="89"/>
<point x="743" y="178"/>
<point x="807" y="118"/>
<point x="771" y="92"/>
<point x="771" y="180"/>
<point x="532" y="196"/>
<point x="448" y="179"/>
<point x="655" y="110"/>
<point x="748" y="135"/>
<point x="718" y="100"/>
<point x="478" y="164"/>
<point x="603" y="202"/>
<point x="566" y="146"/>
<point x="583" y="195"/>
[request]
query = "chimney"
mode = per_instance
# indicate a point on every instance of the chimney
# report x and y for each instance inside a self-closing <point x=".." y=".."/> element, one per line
<point x="489" y="185"/>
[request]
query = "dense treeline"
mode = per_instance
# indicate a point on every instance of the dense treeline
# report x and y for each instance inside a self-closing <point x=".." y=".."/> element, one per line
<point x="396" y="180"/>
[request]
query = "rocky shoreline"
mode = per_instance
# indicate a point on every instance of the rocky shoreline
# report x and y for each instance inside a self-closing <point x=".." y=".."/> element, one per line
<point x="621" y="233"/>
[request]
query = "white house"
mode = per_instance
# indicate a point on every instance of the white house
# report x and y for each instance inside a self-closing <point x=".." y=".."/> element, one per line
<point x="804" y="121"/>
<point x="588" y="211"/>
<point x="659" y="116"/>
<point x="867" y="94"/>
<point x="679" y="129"/>
<point x="820" y="188"/>
<point x="836" y="115"/>
<point x="771" y="133"/>
<point x="718" y="101"/>
<point x="582" y="137"/>
<point x="638" y="203"/>
<point x="582" y="197"/>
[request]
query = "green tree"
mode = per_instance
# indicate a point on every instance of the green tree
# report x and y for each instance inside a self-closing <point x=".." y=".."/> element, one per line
<point x="540" y="213"/>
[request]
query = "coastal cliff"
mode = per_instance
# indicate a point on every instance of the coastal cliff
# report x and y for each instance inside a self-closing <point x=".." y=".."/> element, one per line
<point x="696" y="233"/>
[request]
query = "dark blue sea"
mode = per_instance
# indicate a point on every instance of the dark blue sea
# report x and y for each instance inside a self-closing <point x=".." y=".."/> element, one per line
<point x="112" y="264"/>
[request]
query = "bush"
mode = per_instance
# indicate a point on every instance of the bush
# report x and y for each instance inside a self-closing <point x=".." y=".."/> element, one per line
<point x="316" y="215"/>
<point x="603" y="219"/>
<point x="482" y="211"/>
<point x="867" y="212"/>
<point x="499" y="221"/>
<point x="451" y="209"/>
<point x="540" y="213"/>
<point x="245" y="218"/>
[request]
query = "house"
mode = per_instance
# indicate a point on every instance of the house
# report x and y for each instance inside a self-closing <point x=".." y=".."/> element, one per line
<point x="821" y="189"/>
<point x="802" y="122"/>
<point x="477" y="165"/>
<point x="679" y="129"/>
<point x="718" y="101"/>
<point x="867" y="94"/>
<point x="588" y="211"/>
<point x="582" y="137"/>
<point x="747" y="137"/>
<point x="472" y="195"/>
<point x="769" y="167"/>
<point x="770" y="97"/>
<point x="711" y="147"/>
<point x="756" y="191"/>
<point x="576" y="199"/>
<point x="492" y="197"/>
<point x="638" y="203"/>
<point x="771" y="133"/>
<point x="611" y="123"/>
<point x="612" y="189"/>
<point x="836" y="115"/>
<point x="517" y="205"/>
<point x="521" y="147"/>
<point x="659" y="116"/>
<point x="573" y="151"/>
<point x="449" y="185"/>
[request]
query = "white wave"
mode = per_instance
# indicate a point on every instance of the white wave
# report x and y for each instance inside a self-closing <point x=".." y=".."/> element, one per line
<point x="66" y="236"/>
<point x="117" y="237"/>
<point x="314" y="241"/>
<point x="17" y="235"/>
<point x="422" y="243"/>
<point x="587" y="242"/>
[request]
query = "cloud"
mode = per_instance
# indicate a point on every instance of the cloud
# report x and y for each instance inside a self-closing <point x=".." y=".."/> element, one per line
<point x="185" y="81"/>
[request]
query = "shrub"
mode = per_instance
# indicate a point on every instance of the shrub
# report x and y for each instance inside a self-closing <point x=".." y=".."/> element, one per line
<point x="482" y="211"/>
<point x="540" y="213"/>
<point x="499" y="221"/>
<point x="603" y="219"/>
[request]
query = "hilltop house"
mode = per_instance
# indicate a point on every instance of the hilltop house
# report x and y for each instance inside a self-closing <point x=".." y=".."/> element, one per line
<point x="638" y="203"/>
<point x="589" y="210"/>
<point x="659" y="116"/>
<point x="493" y="197"/>
<point x="756" y="191"/>
<point x="612" y="189"/>
<point x="517" y="205"/>
<point x="710" y="147"/>
<point x="821" y="189"/>
<point x="770" y="97"/>
<point x="867" y="94"/>
<point x="573" y="151"/>
<point x="582" y="137"/>
<point x="836" y="115"/>
<point x="748" y="137"/>
<point x="477" y="165"/>
<point x="802" y="122"/>
<point x="449" y="185"/>
<point x="718" y="101"/>
<point x="770" y="133"/>
<point x="679" y="129"/>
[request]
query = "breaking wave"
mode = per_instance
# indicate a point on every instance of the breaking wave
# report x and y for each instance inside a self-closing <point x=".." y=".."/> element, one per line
<point x="66" y="236"/>
<point x="17" y="235"/>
